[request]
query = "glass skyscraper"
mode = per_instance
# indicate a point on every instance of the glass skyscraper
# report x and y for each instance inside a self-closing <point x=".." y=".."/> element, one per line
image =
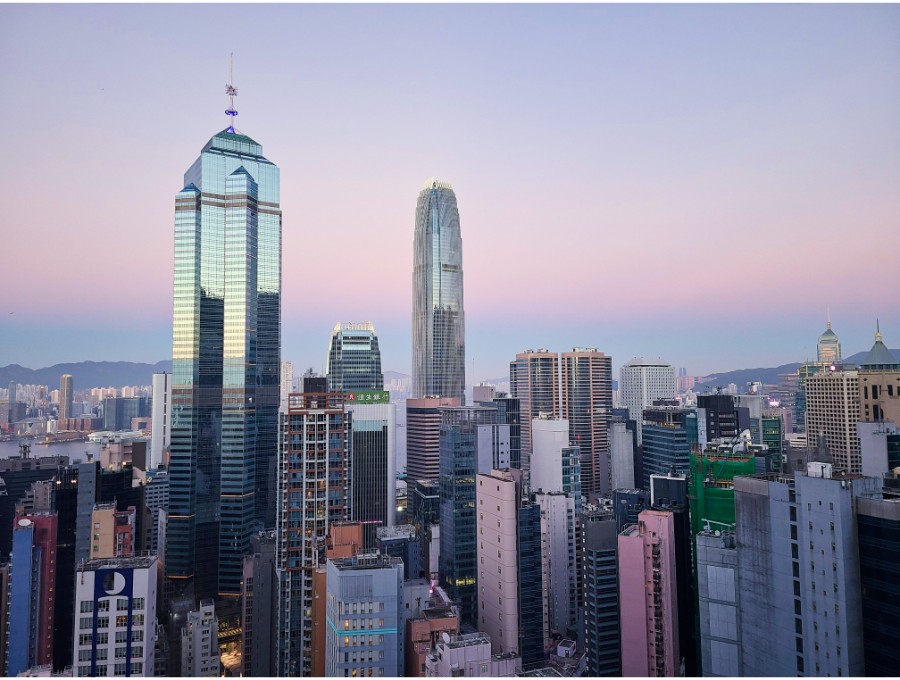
<point x="439" y="345"/>
<point x="226" y="342"/>
<point x="354" y="360"/>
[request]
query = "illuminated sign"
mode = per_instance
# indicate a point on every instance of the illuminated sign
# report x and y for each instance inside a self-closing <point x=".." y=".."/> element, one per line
<point x="369" y="397"/>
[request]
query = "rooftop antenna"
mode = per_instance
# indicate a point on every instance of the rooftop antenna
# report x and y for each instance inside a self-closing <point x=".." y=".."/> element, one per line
<point x="878" y="336"/>
<point x="231" y="91"/>
<point x="828" y="317"/>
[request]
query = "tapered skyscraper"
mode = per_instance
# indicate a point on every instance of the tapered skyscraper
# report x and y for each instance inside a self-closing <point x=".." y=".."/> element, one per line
<point x="225" y="371"/>
<point x="439" y="341"/>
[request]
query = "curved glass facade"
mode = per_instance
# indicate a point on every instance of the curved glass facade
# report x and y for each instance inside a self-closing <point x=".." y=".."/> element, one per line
<point x="439" y="346"/>
<point x="226" y="341"/>
<point x="354" y="360"/>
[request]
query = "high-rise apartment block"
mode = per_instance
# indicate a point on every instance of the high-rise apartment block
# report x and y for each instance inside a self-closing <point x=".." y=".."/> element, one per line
<point x="314" y="494"/>
<point x="642" y="382"/>
<point x="555" y="465"/>
<point x="647" y="596"/>
<point x="586" y="402"/>
<point x="438" y="323"/>
<point x="226" y="347"/>
<point x="66" y="386"/>
<point x="559" y="568"/>
<point x="832" y="412"/>
<point x="161" y="420"/>
<point x="200" y="643"/>
<point x="354" y="360"/>
<point x="534" y="381"/>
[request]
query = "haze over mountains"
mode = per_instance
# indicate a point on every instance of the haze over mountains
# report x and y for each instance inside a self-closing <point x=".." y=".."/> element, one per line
<point x="121" y="373"/>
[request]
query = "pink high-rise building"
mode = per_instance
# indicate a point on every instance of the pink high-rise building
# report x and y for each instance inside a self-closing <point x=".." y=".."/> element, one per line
<point x="649" y="609"/>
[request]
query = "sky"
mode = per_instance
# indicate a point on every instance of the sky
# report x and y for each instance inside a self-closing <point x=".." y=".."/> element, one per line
<point x="698" y="183"/>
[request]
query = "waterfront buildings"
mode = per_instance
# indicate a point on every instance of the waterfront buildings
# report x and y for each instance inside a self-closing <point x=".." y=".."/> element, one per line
<point x="66" y="386"/>
<point x="354" y="360"/>
<point x="641" y="383"/>
<point x="438" y="320"/>
<point x="226" y="345"/>
<point x="586" y="402"/>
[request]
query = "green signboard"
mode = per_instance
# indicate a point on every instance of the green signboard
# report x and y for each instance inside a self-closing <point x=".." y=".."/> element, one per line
<point x="369" y="397"/>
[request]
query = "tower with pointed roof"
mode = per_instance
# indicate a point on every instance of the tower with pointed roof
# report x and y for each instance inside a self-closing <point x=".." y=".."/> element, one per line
<point x="879" y="383"/>
<point x="226" y="347"/>
<point x="829" y="346"/>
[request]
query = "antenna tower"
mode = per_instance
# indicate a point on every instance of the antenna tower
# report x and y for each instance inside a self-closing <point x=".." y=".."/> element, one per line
<point x="231" y="91"/>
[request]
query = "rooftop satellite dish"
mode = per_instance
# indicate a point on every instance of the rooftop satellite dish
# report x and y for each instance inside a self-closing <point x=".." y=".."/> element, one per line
<point x="445" y="636"/>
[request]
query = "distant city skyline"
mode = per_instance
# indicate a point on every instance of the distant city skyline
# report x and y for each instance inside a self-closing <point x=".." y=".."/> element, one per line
<point x="696" y="183"/>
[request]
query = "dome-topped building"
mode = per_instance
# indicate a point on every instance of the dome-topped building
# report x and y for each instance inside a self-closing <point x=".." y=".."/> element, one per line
<point x="829" y="346"/>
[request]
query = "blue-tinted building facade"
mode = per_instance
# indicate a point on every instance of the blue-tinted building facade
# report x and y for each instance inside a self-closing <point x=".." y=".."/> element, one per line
<point x="669" y="434"/>
<point x="354" y="360"/>
<point x="226" y="360"/>
<point x="438" y="323"/>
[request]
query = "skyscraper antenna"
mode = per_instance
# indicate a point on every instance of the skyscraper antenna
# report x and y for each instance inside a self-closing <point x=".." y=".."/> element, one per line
<point x="828" y="317"/>
<point x="231" y="91"/>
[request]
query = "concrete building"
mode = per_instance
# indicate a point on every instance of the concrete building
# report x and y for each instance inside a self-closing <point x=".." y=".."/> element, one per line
<point x="559" y="571"/>
<point x="286" y="382"/>
<point x="161" y="420"/>
<point x="555" y="464"/>
<point x="719" y="599"/>
<point x="470" y="656"/>
<point x="649" y="606"/>
<point x="670" y="433"/>
<point x="642" y="382"/>
<point x="32" y="596"/>
<point x="509" y="567"/>
<point x="313" y="493"/>
<point x="879" y="447"/>
<point x="586" y="402"/>
<point x="66" y="387"/>
<point x="879" y="385"/>
<point x="115" y="605"/>
<point x="364" y="635"/>
<point x="200" y="643"/>
<point x="423" y="442"/>
<point x="534" y="381"/>
<point x="425" y="626"/>
<point x="602" y="638"/>
<point x="259" y="608"/>
<point x="113" y="532"/>
<point x="832" y="412"/>
<point x="621" y="456"/>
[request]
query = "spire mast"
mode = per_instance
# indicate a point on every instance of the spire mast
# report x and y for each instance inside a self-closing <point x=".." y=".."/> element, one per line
<point x="231" y="91"/>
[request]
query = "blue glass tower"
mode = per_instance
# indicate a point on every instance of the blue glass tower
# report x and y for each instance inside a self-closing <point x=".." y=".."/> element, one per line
<point x="226" y="343"/>
<point x="439" y="339"/>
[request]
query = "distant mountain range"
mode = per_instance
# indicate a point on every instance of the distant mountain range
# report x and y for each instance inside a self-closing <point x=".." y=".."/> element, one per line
<point x="120" y="373"/>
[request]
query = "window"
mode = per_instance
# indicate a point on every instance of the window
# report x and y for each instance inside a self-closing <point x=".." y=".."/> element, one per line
<point x="103" y="622"/>
<point x="122" y="620"/>
<point x="85" y="623"/>
<point x="87" y="607"/>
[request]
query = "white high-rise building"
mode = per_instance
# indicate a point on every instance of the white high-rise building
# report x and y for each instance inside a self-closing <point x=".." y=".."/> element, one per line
<point x="558" y="560"/>
<point x="287" y="380"/>
<point x="161" y="424"/>
<point x="200" y="643"/>
<point x="115" y="617"/>
<point x="642" y="381"/>
<point x="555" y="464"/>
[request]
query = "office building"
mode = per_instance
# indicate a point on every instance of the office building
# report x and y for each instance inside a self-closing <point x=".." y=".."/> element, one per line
<point x="647" y="596"/>
<point x="534" y="381"/>
<point x="828" y="348"/>
<point x="314" y="493"/>
<point x="423" y="428"/>
<point x="508" y="413"/>
<point x="586" y="402"/>
<point x="879" y="384"/>
<point x="558" y="565"/>
<point x="670" y="433"/>
<point x="721" y="416"/>
<point x="602" y="637"/>
<point x="161" y="420"/>
<point x="509" y="567"/>
<point x="226" y="347"/>
<point x="115" y="605"/>
<point x="354" y="360"/>
<point x="555" y="465"/>
<point x="832" y="412"/>
<point x="286" y="381"/>
<point x="804" y="372"/>
<point x="118" y="412"/>
<point x="364" y="635"/>
<point x="200" y="643"/>
<point x="621" y="455"/>
<point x="372" y="463"/>
<point x="641" y="383"/>
<point x="878" y="526"/>
<point x="438" y="328"/>
<point x="32" y="593"/>
<point x="470" y="440"/>
<point x="66" y="387"/>
<point x="719" y="599"/>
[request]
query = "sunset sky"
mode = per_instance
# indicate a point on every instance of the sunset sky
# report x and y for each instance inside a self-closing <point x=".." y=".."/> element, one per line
<point x="692" y="182"/>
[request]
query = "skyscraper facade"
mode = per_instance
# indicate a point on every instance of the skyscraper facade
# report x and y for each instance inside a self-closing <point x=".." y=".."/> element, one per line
<point x="65" y="397"/>
<point x="225" y="363"/>
<point x="832" y="414"/>
<point x="354" y="360"/>
<point x="534" y="380"/>
<point x="828" y="349"/>
<point x="643" y="381"/>
<point x="439" y="344"/>
<point x="586" y="403"/>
